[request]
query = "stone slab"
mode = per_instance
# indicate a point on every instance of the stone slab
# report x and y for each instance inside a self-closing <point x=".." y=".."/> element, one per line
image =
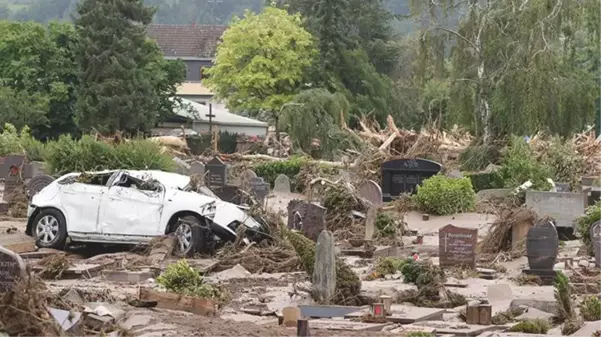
<point x="332" y="324"/>
<point x="172" y="301"/>
<point x="457" y="329"/>
<point x="406" y="315"/>
<point x="125" y="276"/>
<point x="327" y="311"/>
<point x="18" y="243"/>
<point x="562" y="206"/>
<point x="79" y="270"/>
<point x="546" y="276"/>
<point x="495" y="193"/>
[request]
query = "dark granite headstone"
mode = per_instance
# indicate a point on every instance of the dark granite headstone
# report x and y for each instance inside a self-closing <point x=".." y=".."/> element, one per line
<point x="228" y="193"/>
<point x="542" y="246"/>
<point x="403" y="175"/>
<point x="217" y="172"/>
<point x="12" y="268"/>
<point x="457" y="246"/>
<point x="595" y="233"/>
<point x="306" y="217"/>
<point x="259" y="188"/>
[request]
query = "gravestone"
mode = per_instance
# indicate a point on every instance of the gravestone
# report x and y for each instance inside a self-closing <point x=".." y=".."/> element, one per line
<point x="370" y="222"/>
<point x="457" y="246"/>
<point x="455" y="174"/>
<point x="217" y="172"/>
<point x="10" y="171"/>
<point x="563" y="187"/>
<point x="282" y="184"/>
<point x="245" y="178"/>
<point x="228" y="193"/>
<point x="370" y="191"/>
<point x="403" y="175"/>
<point x="249" y="174"/>
<point x="595" y="233"/>
<point x="37" y="183"/>
<point x="181" y="166"/>
<point x="259" y="189"/>
<point x="324" y="272"/>
<point x="564" y="207"/>
<point x="542" y="246"/>
<point x="196" y="168"/>
<point x="12" y="268"/>
<point x="309" y="218"/>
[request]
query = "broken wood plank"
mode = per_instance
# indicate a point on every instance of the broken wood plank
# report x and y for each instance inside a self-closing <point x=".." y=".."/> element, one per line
<point x="173" y="301"/>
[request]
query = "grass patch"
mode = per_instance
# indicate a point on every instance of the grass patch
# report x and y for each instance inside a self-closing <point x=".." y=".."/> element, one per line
<point x="536" y="326"/>
<point x="181" y="278"/>
<point x="590" y="308"/>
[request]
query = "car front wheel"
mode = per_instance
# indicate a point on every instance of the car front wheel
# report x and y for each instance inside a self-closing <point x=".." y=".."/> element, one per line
<point x="193" y="236"/>
<point x="49" y="229"/>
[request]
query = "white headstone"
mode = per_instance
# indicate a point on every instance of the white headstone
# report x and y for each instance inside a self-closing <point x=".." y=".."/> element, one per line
<point x="282" y="184"/>
<point x="371" y="191"/>
<point x="197" y="168"/>
<point x="324" y="272"/>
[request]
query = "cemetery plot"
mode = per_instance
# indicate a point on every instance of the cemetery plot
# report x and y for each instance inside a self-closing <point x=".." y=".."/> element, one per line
<point x="404" y="175"/>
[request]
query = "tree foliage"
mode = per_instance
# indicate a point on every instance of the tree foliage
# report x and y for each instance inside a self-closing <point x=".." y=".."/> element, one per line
<point x="124" y="81"/>
<point x="38" y="73"/>
<point x="513" y="66"/>
<point x="260" y="64"/>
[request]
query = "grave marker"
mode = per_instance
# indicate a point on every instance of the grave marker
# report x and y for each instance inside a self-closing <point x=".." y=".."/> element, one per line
<point x="228" y="193"/>
<point x="595" y="233"/>
<point x="324" y="272"/>
<point x="564" y="207"/>
<point x="306" y="217"/>
<point x="563" y="187"/>
<point x="12" y="268"/>
<point x="542" y="245"/>
<point x="371" y="192"/>
<point x="196" y="168"/>
<point x="259" y="188"/>
<point x="181" y="166"/>
<point x="403" y="175"/>
<point x="282" y="184"/>
<point x="10" y="171"/>
<point x="370" y="222"/>
<point x="457" y="246"/>
<point x="37" y="183"/>
<point x="217" y="172"/>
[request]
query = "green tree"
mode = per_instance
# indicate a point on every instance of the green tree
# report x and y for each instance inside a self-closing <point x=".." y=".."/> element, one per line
<point x="38" y="74"/>
<point x="124" y="83"/>
<point x="260" y="64"/>
<point x="512" y="68"/>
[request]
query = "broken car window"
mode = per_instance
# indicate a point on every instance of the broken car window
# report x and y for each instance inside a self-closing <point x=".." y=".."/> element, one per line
<point x="100" y="179"/>
<point x="144" y="185"/>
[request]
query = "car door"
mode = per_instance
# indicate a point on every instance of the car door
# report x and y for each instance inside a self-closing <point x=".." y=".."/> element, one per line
<point x="127" y="209"/>
<point x="81" y="203"/>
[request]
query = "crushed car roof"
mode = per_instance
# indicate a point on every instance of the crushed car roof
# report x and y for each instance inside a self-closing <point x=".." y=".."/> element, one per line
<point x="166" y="178"/>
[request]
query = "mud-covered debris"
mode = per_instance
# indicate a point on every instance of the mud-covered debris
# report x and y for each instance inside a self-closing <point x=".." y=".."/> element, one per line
<point x="53" y="266"/>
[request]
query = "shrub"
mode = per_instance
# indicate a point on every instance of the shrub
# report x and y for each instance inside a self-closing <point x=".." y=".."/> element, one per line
<point x="180" y="278"/>
<point x="564" y="162"/>
<point x="537" y="326"/>
<point x="227" y="143"/>
<point x="386" y="225"/>
<point x="486" y="180"/>
<point x="478" y="157"/>
<point x="562" y="293"/>
<point x="444" y="195"/>
<point x="87" y="154"/>
<point x="390" y="265"/>
<point x="590" y="308"/>
<point x="271" y="170"/>
<point x="10" y="141"/>
<point x="520" y="165"/>
<point x="583" y="225"/>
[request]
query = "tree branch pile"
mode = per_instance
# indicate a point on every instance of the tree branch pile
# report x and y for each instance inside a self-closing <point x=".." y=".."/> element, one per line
<point x="498" y="239"/>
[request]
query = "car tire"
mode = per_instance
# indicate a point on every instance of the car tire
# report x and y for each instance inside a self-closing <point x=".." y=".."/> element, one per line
<point x="193" y="236"/>
<point x="49" y="229"/>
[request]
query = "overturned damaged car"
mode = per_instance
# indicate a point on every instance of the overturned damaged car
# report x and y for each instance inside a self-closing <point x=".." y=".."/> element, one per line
<point x="133" y="207"/>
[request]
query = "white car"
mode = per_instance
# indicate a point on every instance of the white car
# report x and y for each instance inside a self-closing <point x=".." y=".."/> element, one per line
<point x="132" y="207"/>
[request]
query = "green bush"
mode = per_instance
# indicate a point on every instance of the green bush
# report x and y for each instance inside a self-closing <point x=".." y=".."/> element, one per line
<point x="583" y="224"/>
<point x="520" y="165"/>
<point x="180" y="278"/>
<point x="536" y="326"/>
<point x="486" y="180"/>
<point x="271" y="170"/>
<point x="87" y="154"/>
<point x="565" y="164"/>
<point x="444" y="195"/>
<point x="12" y="142"/>
<point x="590" y="308"/>
<point x="386" y="225"/>
<point x="478" y="157"/>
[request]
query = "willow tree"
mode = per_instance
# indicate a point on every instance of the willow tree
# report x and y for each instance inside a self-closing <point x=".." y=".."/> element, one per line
<point x="511" y="64"/>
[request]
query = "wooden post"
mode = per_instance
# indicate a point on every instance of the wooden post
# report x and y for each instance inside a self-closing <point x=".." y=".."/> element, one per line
<point x="302" y="328"/>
